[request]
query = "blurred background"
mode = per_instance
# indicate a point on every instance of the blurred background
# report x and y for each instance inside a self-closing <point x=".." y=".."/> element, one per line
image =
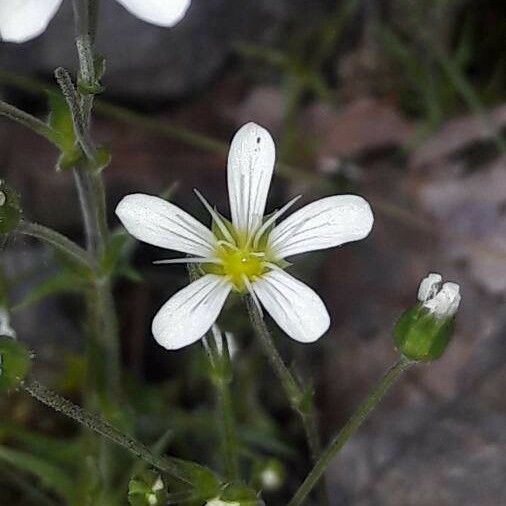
<point x="401" y="101"/>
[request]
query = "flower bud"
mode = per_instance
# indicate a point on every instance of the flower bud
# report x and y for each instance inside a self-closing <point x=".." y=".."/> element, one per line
<point x="10" y="210"/>
<point x="423" y="332"/>
<point x="15" y="360"/>
<point x="147" y="489"/>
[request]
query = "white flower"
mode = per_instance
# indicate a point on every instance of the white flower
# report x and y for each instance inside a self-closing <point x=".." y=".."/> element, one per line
<point x="247" y="254"/>
<point x="442" y="301"/>
<point x="22" y="20"/>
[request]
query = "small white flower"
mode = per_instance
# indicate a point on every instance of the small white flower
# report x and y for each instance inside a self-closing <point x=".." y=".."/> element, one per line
<point x="22" y="20"/>
<point x="442" y="301"/>
<point x="247" y="254"/>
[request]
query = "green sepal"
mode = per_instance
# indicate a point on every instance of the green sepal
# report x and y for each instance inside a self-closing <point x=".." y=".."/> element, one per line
<point x="89" y="89"/>
<point x="10" y="208"/>
<point x="147" y="489"/>
<point x="15" y="361"/>
<point x="100" y="162"/>
<point x="240" y="493"/>
<point x="60" y="120"/>
<point x="95" y="88"/>
<point x="204" y="481"/>
<point x="421" y="336"/>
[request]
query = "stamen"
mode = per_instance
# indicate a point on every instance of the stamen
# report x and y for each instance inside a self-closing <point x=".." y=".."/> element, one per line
<point x="215" y="216"/>
<point x="273" y="218"/>
<point x="227" y="245"/>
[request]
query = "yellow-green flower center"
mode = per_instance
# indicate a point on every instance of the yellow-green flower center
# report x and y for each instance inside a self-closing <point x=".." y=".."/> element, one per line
<point x="241" y="264"/>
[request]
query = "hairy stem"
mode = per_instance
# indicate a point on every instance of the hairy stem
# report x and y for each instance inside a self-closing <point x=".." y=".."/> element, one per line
<point x="57" y="241"/>
<point x="100" y="426"/>
<point x="220" y="371"/>
<point x="356" y="420"/>
<point x="27" y="120"/>
<point x="229" y="436"/>
<point x="298" y="398"/>
<point x="74" y="101"/>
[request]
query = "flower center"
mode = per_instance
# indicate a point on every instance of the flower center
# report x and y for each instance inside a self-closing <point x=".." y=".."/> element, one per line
<point x="241" y="264"/>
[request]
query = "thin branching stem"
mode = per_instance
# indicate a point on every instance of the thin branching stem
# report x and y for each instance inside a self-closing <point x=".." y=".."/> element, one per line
<point x="100" y="426"/>
<point x="57" y="241"/>
<point x="27" y="120"/>
<point x="297" y="396"/>
<point x="221" y="374"/>
<point x="356" y="420"/>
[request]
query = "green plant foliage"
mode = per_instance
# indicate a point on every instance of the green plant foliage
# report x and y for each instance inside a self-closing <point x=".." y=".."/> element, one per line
<point x="15" y="360"/>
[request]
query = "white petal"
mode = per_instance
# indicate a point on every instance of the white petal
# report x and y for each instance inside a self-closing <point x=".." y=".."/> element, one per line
<point x="429" y="287"/>
<point x="295" y="307"/>
<point x="158" y="222"/>
<point x="250" y="166"/>
<point x="326" y="223"/>
<point x="5" y="326"/>
<point x="158" y="12"/>
<point x="446" y="302"/>
<point x="189" y="314"/>
<point x="22" y="20"/>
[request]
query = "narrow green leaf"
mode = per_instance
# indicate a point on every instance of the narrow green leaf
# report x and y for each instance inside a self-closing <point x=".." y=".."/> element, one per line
<point x="51" y="477"/>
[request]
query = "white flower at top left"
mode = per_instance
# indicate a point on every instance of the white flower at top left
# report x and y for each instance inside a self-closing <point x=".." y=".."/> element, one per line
<point x="22" y="20"/>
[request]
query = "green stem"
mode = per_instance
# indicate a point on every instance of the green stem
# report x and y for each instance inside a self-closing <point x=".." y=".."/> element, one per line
<point x="221" y="374"/>
<point x="229" y="436"/>
<point x="373" y="399"/>
<point x="290" y="385"/>
<point x="299" y="402"/>
<point x="56" y="240"/>
<point x="99" y="425"/>
<point x="27" y="120"/>
<point x="83" y="183"/>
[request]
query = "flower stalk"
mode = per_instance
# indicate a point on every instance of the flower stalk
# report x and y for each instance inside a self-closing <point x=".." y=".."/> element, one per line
<point x="356" y="420"/>
<point x="220" y="367"/>
<point x="301" y="401"/>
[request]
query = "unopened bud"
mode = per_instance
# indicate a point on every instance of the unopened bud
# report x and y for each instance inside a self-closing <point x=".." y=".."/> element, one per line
<point x="10" y="210"/>
<point x="423" y="332"/>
